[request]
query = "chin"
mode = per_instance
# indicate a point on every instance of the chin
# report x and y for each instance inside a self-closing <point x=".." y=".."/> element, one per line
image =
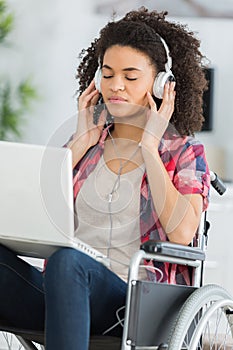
<point x="121" y="110"/>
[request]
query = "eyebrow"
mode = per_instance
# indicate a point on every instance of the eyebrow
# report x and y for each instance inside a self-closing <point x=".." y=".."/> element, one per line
<point x="128" y="69"/>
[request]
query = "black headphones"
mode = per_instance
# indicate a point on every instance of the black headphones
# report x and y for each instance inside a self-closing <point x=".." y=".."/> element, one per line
<point x="160" y="80"/>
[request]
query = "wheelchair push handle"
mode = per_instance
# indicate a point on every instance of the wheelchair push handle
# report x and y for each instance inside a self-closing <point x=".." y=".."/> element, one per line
<point x="217" y="183"/>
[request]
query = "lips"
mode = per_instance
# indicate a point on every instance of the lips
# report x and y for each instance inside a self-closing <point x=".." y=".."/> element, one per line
<point x="116" y="99"/>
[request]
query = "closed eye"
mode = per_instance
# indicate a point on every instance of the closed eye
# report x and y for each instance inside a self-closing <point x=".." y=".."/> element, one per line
<point x="110" y="76"/>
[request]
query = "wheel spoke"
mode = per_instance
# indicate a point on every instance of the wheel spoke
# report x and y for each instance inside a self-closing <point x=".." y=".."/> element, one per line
<point x="204" y="322"/>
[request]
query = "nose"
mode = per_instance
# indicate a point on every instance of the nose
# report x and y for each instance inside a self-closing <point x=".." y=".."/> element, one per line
<point x="117" y="83"/>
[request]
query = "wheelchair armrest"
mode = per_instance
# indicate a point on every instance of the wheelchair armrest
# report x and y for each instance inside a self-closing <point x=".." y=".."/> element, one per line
<point x="173" y="250"/>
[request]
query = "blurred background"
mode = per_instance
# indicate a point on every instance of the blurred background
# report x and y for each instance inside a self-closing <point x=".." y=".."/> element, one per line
<point x="38" y="60"/>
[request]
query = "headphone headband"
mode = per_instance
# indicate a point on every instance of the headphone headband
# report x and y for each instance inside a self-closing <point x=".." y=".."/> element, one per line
<point x="168" y="64"/>
<point x="164" y="76"/>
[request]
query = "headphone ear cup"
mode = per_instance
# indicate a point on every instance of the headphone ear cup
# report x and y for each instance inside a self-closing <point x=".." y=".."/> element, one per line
<point x="160" y="81"/>
<point x="97" y="79"/>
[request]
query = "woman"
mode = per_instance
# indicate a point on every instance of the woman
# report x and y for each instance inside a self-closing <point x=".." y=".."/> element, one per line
<point x="139" y="174"/>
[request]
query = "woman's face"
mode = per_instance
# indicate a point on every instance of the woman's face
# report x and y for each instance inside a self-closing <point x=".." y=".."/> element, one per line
<point x="127" y="75"/>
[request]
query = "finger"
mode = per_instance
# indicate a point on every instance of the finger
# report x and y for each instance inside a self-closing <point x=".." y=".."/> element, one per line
<point x="151" y="101"/>
<point x="89" y="90"/>
<point x="168" y="96"/>
<point x="167" y="106"/>
<point x="90" y="87"/>
<point x="94" y="99"/>
<point x="166" y="92"/>
<point x="169" y="91"/>
<point x="93" y="104"/>
<point x="85" y="100"/>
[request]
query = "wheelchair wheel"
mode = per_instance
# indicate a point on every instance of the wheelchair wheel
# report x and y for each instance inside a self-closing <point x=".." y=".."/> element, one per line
<point x="205" y="321"/>
<point x="9" y="341"/>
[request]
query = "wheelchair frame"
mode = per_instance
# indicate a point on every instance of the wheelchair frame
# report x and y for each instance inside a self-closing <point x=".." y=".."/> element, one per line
<point x="127" y="343"/>
<point x="190" y="313"/>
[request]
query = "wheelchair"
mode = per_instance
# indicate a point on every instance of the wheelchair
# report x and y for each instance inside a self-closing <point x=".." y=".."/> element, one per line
<point x="163" y="316"/>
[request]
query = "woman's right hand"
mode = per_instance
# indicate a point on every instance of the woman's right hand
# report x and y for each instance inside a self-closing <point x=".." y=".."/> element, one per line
<point x="88" y="133"/>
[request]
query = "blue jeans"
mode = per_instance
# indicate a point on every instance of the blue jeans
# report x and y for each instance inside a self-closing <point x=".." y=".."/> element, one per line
<point x="77" y="296"/>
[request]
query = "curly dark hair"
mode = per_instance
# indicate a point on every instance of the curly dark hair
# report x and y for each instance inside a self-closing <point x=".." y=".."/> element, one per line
<point x="138" y="30"/>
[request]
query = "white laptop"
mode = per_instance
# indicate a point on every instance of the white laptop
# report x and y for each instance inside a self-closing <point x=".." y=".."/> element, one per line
<point x="36" y="200"/>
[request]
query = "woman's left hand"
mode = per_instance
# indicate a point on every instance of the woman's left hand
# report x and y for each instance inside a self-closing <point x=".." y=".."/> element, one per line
<point x="158" y="120"/>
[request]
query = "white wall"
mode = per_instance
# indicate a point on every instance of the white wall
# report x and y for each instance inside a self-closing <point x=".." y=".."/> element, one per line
<point x="219" y="262"/>
<point x="47" y="39"/>
<point x="217" y="45"/>
<point x="45" y="45"/>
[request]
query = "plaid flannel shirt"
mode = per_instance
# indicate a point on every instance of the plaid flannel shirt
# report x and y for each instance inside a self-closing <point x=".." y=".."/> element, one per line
<point x="185" y="162"/>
